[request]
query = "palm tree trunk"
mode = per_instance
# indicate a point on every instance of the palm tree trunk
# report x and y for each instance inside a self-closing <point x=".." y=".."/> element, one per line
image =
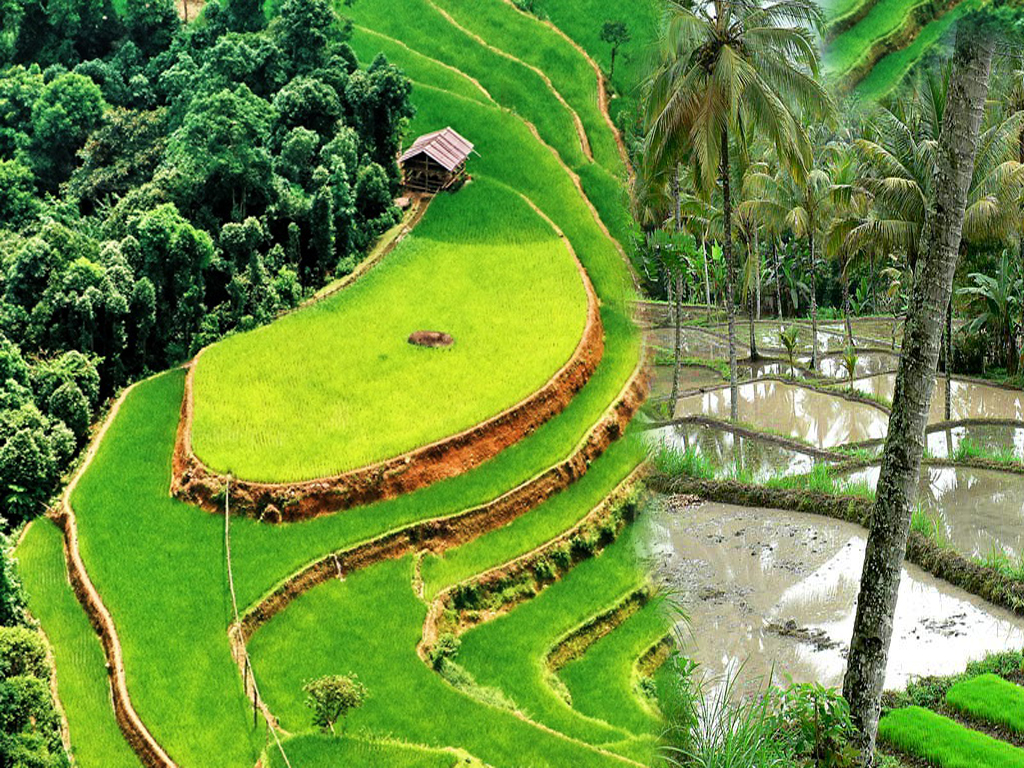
<point x="754" y="355"/>
<point x="707" y="279"/>
<point x="915" y="384"/>
<point x="814" y="305"/>
<point x="949" y="361"/>
<point x="730" y="278"/>
<point x="777" y="265"/>
<point x="757" y="254"/>
<point x="847" y="310"/>
<point x="678" y="346"/>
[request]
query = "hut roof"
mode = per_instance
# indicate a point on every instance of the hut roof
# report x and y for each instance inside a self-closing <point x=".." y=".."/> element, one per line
<point x="445" y="147"/>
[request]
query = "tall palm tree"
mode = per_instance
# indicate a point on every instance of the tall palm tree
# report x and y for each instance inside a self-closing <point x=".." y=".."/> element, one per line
<point x="728" y="67"/>
<point x="806" y="206"/>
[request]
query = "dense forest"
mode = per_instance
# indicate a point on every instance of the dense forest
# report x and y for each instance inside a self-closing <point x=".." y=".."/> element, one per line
<point x="162" y="185"/>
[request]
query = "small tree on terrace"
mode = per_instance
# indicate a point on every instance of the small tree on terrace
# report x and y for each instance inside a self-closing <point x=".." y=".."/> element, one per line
<point x="331" y="697"/>
<point x="616" y="34"/>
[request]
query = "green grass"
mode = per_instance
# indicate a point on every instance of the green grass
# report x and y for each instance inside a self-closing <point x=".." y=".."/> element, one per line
<point x="419" y="68"/>
<point x="603" y="681"/>
<point x="885" y="18"/>
<point x="821" y="480"/>
<point x="510" y="652"/>
<point x="945" y="743"/>
<point x="83" y="685"/>
<point x="538" y="526"/>
<point x="337" y="385"/>
<point x="536" y="44"/>
<point x="889" y="71"/>
<point x="989" y="698"/>
<point x="370" y="624"/>
<point x="968" y="449"/>
<point x="321" y="751"/>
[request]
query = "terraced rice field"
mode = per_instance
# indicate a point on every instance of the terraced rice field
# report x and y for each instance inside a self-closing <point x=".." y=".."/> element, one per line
<point x="485" y="266"/>
<point x="873" y="44"/>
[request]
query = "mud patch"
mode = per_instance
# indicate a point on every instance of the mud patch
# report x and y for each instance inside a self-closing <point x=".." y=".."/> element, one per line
<point x="432" y="339"/>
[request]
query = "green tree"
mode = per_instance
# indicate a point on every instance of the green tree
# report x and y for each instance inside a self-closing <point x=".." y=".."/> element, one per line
<point x="17" y="194"/>
<point x="332" y="697"/>
<point x="995" y="301"/>
<point x="151" y="24"/>
<point x="66" y="112"/>
<point x="22" y="653"/>
<point x="616" y="34"/>
<point x="723" y="65"/>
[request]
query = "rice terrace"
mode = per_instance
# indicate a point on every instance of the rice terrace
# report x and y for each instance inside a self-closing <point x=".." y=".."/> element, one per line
<point x="511" y="384"/>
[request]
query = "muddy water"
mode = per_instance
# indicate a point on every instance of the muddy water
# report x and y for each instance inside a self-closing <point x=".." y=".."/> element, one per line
<point x="766" y="334"/>
<point x="969" y="400"/>
<point x="770" y="590"/>
<point x="824" y="421"/>
<point x="1000" y="437"/>
<point x="978" y="510"/>
<point x="690" y="377"/>
<point x="868" y="364"/>
<point x="734" y="454"/>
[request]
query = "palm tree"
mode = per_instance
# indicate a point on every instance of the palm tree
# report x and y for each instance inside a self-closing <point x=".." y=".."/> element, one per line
<point x="995" y="300"/>
<point x="723" y="68"/>
<point x="805" y="206"/>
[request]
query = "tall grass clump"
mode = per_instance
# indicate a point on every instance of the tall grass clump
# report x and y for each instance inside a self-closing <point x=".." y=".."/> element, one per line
<point x="690" y="462"/>
<point x="968" y="449"/>
<point x="821" y="480"/>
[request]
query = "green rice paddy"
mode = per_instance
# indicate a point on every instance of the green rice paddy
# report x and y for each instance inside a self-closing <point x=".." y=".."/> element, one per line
<point x="337" y="385"/>
<point x="945" y="743"/>
<point x="991" y="699"/>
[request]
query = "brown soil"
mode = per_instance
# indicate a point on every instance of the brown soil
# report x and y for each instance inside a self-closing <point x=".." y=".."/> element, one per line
<point x="433" y="339"/>
<point x="149" y="752"/>
<point x="439" y="534"/>
<point x="196" y="484"/>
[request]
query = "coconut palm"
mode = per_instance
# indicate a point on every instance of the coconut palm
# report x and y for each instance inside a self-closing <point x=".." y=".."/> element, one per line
<point x="995" y="301"/>
<point x="727" y="67"/>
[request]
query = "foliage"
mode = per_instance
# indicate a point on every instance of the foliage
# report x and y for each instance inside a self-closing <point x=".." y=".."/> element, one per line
<point x="332" y="697"/>
<point x="616" y="34"/>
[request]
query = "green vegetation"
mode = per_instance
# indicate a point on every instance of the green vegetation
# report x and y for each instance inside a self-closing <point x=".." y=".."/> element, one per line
<point x="371" y="395"/>
<point x="510" y="652"/>
<point x="968" y="449"/>
<point x="603" y="683"/>
<point x="83" y="683"/>
<point x="885" y="18"/>
<point x="991" y="699"/>
<point x="945" y="743"/>
<point x="891" y="69"/>
<point x="326" y="752"/>
<point x="537" y="526"/>
<point x="342" y="627"/>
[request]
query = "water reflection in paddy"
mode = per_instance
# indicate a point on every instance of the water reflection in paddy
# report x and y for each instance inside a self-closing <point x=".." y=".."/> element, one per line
<point x="970" y="400"/>
<point x="868" y="363"/>
<point x="773" y="590"/>
<point x="978" y="509"/>
<point x="696" y="342"/>
<point x="690" y="377"/>
<point x="823" y="420"/>
<point x="733" y="454"/>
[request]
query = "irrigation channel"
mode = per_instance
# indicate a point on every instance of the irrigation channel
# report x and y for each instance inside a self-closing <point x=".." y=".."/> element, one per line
<point x="771" y="593"/>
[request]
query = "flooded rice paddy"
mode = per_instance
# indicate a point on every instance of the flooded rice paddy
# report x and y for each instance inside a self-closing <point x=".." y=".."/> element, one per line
<point x="691" y="377"/>
<point x="977" y="510"/>
<point x="970" y="400"/>
<point x="775" y="592"/>
<point x="1009" y="438"/>
<point x="823" y="420"/>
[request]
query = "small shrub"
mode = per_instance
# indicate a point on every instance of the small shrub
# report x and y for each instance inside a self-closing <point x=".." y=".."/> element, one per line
<point x="446" y="647"/>
<point x="561" y="556"/>
<point x="545" y="570"/>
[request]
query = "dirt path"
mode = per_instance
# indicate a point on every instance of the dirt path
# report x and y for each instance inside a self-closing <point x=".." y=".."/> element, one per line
<point x="149" y="751"/>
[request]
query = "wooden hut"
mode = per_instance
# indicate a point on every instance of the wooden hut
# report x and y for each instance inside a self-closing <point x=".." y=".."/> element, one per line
<point x="435" y="161"/>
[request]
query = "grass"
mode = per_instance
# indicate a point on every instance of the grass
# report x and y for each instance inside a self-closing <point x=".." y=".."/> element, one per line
<point x="929" y="526"/>
<point x="582" y="21"/>
<point x="968" y="449"/>
<point x="344" y="629"/>
<point x="690" y="462"/>
<point x="82" y="677"/>
<point x="890" y="70"/>
<point x="991" y="699"/>
<point x="603" y="682"/>
<point x="337" y="386"/>
<point x="510" y="652"/>
<point x="536" y="44"/>
<point x="141" y="547"/>
<point x="945" y="743"/>
<point x="537" y="526"/>
<point x="885" y="18"/>
<point x="320" y="751"/>
<point x="821" y="480"/>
